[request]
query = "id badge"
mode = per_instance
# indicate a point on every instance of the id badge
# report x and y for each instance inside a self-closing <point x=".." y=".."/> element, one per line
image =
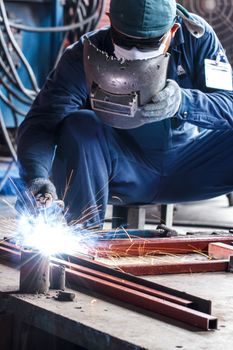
<point x="218" y="75"/>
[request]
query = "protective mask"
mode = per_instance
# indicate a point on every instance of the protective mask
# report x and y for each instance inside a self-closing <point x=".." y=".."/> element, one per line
<point x="135" y="54"/>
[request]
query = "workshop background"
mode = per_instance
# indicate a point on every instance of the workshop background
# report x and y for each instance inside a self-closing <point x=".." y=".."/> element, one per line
<point x="31" y="47"/>
<point x="168" y="286"/>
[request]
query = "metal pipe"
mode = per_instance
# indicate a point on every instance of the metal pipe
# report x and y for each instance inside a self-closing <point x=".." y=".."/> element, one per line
<point x="125" y="283"/>
<point x="57" y="276"/>
<point x="145" y="301"/>
<point x="34" y="272"/>
<point x="199" y="304"/>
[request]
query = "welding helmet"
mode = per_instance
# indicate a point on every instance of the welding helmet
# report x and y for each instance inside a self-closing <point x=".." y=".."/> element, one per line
<point x="118" y="88"/>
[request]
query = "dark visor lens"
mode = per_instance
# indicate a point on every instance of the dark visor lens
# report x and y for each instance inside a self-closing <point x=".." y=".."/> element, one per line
<point x="141" y="44"/>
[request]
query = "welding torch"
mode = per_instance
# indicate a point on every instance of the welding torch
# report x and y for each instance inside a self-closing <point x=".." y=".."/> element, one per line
<point x="48" y="208"/>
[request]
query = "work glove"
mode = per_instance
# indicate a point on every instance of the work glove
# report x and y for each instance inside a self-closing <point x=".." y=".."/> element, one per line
<point x="39" y="193"/>
<point x="43" y="190"/>
<point x="164" y="104"/>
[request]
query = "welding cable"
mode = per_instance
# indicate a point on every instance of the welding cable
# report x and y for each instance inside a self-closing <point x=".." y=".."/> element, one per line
<point x="8" y="75"/>
<point x="13" y="82"/>
<point x="6" y="70"/>
<point x="7" y="137"/>
<point x="61" y="50"/>
<point x="95" y="9"/>
<point x="14" y="93"/>
<point x="12" y="162"/>
<point x="9" y="104"/>
<point x="83" y="12"/>
<point x="13" y="69"/>
<point x="16" y="47"/>
<point x="81" y="22"/>
<point x="57" y="28"/>
<point x="6" y="174"/>
<point x="79" y="19"/>
<point x="49" y="29"/>
<point x="29" y="93"/>
<point x="14" y="114"/>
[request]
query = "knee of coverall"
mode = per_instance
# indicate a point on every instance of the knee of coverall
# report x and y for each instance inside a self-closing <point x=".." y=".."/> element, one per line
<point x="82" y="164"/>
<point x="80" y="125"/>
<point x="79" y="133"/>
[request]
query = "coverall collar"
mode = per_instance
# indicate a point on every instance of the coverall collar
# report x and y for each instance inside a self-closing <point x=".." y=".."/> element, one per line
<point x="177" y="40"/>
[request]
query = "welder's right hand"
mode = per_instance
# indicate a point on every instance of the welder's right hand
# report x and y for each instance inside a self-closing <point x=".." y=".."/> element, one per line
<point x="43" y="191"/>
<point x="39" y="193"/>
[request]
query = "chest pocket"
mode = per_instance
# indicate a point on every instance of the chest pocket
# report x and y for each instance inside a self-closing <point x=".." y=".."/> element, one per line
<point x="183" y="78"/>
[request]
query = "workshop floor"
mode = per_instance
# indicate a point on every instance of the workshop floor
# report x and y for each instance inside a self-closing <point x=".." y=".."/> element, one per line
<point x="92" y="319"/>
<point x="87" y="312"/>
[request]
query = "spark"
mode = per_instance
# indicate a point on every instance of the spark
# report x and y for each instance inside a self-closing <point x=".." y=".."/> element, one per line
<point x="46" y="229"/>
<point x="49" y="237"/>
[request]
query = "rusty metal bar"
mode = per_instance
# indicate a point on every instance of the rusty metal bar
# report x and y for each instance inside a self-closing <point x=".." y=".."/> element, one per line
<point x="145" y="301"/>
<point x="125" y="283"/>
<point x="199" y="304"/>
<point x="9" y="245"/>
<point x="10" y="255"/>
<point x="220" y="250"/>
<point x="175" y="267"/>
<point x="137" y="295"/>
<point x="155" y="246"/>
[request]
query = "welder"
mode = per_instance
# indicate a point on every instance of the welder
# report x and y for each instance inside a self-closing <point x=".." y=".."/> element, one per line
<point x="94" y="138"/>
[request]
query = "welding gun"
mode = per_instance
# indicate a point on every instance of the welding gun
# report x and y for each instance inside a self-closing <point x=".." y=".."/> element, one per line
<point x="50" y="213"/>
<point x="32" y="207"/>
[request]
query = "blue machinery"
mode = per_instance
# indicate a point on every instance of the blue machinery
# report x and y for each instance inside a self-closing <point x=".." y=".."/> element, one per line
<point x="33" y="35"/>
<point x="40" y="29"/>
<point x="39" y="50"/>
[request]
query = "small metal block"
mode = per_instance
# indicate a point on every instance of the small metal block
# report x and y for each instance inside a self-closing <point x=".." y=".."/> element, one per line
<point x="65" y="296"/>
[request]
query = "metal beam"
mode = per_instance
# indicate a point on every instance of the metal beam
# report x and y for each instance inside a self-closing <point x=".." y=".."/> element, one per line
<point x="220" y="250"/>
<point x="139" y="299"/>
<point x="175" y="267"/>
<point x="124" y="283"/>
<point x="154" y="246"/>
<point x="106" y="281"/>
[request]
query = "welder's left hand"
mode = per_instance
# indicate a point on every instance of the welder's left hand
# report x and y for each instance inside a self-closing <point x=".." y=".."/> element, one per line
<point x="164" y="104"/>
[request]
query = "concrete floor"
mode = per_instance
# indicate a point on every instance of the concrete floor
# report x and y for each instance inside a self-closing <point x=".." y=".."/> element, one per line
<point x="99" y="323"/>
<point x="214" y="212"/>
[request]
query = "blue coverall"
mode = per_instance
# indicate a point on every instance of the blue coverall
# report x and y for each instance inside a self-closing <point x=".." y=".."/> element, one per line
<point x="184" y="158"/>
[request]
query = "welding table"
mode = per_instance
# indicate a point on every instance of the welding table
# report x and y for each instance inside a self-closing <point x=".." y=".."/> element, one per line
<point x="95" y="322"/>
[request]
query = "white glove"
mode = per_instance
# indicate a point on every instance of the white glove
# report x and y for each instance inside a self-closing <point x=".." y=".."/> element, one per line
<point x="165" y="103"/>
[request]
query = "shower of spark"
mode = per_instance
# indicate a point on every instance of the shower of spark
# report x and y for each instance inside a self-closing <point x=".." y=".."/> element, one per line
<point x="48" y="232"/>
<point x="51" y="237"/>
